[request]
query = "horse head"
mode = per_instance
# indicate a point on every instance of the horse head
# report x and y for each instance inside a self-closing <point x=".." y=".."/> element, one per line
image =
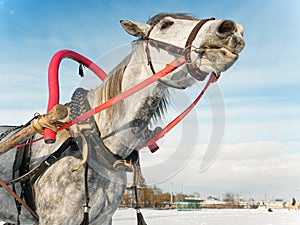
<point x="214" y="47"/>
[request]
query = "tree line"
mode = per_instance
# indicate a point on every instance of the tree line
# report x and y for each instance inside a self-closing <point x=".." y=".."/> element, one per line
<point x="154" y="197"/>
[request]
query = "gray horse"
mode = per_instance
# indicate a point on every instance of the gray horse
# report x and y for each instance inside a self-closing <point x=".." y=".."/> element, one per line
<point x="59" y="192"/>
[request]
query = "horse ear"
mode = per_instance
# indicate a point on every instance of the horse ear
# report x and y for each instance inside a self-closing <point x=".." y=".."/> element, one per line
<point x="135" y="28"/>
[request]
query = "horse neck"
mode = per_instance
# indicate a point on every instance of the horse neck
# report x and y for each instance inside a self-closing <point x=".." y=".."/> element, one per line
<point x="132" y="70"/>
<point x="115" y="122"/>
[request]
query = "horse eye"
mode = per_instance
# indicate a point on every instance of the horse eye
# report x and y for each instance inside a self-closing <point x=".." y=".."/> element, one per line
<point x="167" y="24"/>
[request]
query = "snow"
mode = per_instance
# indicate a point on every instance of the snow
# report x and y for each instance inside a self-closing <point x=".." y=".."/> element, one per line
<point x="209" y="217"/>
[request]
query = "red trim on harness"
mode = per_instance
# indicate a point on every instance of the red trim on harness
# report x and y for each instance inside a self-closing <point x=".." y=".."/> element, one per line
<point x="28" y="143"/>
<point x="53" y="84"/>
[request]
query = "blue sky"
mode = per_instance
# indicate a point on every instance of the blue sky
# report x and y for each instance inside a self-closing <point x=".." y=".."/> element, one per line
<point x="261" y="91"/>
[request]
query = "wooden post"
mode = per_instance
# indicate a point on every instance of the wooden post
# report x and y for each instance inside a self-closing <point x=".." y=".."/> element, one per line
<point x="49" y="120"/>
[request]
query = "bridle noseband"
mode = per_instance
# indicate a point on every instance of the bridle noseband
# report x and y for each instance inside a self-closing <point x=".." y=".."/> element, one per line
<point x="192" y="68"/>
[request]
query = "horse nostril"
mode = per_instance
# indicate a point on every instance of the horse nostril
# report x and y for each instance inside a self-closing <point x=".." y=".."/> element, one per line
<point x="227" y="27"/>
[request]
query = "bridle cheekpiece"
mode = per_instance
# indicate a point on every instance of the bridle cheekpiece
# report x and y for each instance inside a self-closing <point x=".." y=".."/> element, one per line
<point x="192" y="68"/>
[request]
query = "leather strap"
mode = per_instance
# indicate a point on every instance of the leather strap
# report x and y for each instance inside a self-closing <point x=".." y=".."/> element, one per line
<point x="50" y="160"/>
<point x="18" y="199"/>
<point x="192" y="68"/>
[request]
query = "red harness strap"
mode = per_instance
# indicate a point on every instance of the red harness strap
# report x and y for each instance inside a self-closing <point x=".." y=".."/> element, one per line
<point x="213" y="78"/>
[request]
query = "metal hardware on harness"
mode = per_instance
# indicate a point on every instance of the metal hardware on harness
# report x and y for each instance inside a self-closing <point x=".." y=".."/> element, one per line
<point x="193" y="69"/>
<point x="87" y="209"/>
<point x="135" y="175"/>
<point x="51" y="160"/>
<point x="85" y="220"/>
<point x="132" y="167"/>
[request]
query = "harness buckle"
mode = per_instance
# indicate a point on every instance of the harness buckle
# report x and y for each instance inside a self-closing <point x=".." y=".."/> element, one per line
<point x="51" y="160"/>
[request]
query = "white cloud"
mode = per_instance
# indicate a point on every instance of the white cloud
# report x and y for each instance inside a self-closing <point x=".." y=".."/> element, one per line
<point x="264" y="167"/>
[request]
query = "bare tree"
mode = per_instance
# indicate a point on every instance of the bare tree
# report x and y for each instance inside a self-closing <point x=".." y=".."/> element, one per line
<point x="229" y="197"/>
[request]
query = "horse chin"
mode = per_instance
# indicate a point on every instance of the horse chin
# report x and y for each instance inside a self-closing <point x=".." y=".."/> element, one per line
<point x="229" y="54"/>
<point x="218" y="60"/>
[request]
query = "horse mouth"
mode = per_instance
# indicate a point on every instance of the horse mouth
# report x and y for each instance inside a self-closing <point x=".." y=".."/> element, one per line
<point x="227" y="52"/>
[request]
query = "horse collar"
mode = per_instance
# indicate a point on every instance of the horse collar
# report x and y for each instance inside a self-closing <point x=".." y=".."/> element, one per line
<point x="87" y="134"/>
<point x="80" y="105"/>
<point x="192" y="68"/>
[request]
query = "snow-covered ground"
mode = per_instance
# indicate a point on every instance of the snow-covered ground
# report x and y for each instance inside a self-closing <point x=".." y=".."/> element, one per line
<point x="209" y="217"/>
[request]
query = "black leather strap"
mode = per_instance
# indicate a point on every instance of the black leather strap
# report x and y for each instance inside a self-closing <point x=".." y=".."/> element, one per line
<point x="54" y="157"/>
<point x="50" y="160"/>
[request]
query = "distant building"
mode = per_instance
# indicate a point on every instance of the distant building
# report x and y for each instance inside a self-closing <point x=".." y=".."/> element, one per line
<point x="188" y="204"/>
<point x="216" y="204"/>
<point x="196" y="204"/>
<point x="277" y="204"/>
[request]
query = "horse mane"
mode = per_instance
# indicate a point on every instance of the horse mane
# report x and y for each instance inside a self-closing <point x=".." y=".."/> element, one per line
<point x="112" y="86"/>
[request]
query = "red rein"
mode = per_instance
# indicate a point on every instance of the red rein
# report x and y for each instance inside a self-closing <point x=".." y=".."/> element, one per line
<point x="49" y="135"/>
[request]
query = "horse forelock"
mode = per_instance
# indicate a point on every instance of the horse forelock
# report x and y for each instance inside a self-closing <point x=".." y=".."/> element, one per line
<point x="158" y="17"/>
